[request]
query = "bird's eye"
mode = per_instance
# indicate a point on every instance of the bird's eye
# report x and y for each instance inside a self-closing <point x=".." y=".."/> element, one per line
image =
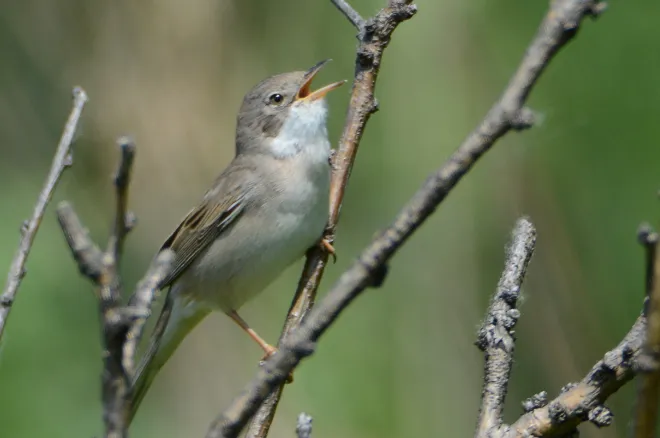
<point x="276" y="98"/>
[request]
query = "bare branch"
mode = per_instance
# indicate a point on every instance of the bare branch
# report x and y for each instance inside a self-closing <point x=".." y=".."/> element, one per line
<point x="558" y="27"/>
<point x="584" y="400"/>
<point x="87" y="255"/>
<point x="140" y="306"/>
<point x="353" y="16"/>
<point x="122" y="180"/>
<point x="646" y="412"/>
<point x="367" y="65"/>
<point x="304" y="426"/>
<point x="648" y="238"/>
<point x="122" y="326"/>
<point x="496" y="336"/>
<point x="61" y="161"/>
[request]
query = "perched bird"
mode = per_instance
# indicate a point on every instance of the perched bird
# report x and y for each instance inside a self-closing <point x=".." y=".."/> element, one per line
<point x="260" y="215"/>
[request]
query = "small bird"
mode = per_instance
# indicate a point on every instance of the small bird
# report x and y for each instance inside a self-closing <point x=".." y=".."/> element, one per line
<point x="261" y="214"/>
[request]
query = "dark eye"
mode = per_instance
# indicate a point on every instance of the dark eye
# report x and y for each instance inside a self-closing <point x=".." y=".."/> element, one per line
<point x="275" y="98"/>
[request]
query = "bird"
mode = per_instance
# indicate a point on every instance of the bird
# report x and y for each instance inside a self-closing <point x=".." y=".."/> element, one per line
<point x="261" y="214"/>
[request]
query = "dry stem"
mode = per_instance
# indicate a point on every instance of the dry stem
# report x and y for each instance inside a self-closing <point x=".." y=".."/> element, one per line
<point x="61" y="160"/>
<point x="559" y="26"/>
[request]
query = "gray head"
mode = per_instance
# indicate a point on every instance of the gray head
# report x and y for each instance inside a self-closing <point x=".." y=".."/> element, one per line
<point x="280" y="114"/>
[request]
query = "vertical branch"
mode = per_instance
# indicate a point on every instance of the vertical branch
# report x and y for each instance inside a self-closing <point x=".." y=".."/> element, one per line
<point x="122" y="326"/>
<point x="496" y="336"/>
<point x="116" y="380"/>
<point x="123" y="222"/>
<point x="647" y="398"/>
<point x="61" y="160"/>
<point x="374" y="37"/>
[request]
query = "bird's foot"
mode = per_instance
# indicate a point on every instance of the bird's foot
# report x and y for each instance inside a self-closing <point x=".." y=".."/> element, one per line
<point x="269" y="351"/>
<point x="327" y="247"/>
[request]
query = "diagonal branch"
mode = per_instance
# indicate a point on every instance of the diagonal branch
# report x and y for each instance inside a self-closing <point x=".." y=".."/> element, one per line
<point x="558" y="27"/>
<point x="496" y="336"/>
<point x="61" y="161"/>
<point x="362" y="105"/>
<point x="583" y="401"/>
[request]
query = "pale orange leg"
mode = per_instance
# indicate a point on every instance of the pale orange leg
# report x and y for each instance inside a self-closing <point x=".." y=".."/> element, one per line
<point x="327" y="246"/>
<point x="269" y="349"/>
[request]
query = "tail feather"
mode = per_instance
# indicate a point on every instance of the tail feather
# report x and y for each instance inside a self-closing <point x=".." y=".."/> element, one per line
<point x="177" y="318"/>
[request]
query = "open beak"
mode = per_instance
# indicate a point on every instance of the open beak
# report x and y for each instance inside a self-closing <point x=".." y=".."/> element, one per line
<point x="305" y="94"/>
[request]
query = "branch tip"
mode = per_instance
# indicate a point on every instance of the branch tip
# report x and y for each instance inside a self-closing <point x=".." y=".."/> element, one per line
<point x="351" y="14"/>
<point x="79" y="95"/>
<point x="523" y="119"/>
<point x="601" y="416"/>
<point x="536" y="401"/>
<point x="646" y="235"/>
<point x="496" y="337"/>
<point x="597" y="8"/>
<point x="304" y="426"/>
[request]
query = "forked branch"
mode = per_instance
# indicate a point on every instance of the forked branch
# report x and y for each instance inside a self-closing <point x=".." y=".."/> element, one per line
<point x="508" y="113"/>
<point x="496" y="336"/>
<point x="122" y="325"/>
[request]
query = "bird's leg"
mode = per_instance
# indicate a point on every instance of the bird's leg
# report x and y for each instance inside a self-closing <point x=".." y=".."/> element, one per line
<point x="269" y="349"/>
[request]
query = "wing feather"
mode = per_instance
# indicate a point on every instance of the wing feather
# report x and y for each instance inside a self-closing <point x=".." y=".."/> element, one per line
<point x="201" y="226"/>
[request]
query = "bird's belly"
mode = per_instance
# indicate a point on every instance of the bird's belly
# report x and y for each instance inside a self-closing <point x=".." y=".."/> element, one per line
<point x="242" y="263"/>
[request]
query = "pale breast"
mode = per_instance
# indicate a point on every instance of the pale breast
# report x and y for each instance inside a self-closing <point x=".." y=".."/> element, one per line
<point x="265" y="240"/>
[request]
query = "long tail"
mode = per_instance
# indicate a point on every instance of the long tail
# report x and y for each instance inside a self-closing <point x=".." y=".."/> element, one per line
<point x="177" y="318"/>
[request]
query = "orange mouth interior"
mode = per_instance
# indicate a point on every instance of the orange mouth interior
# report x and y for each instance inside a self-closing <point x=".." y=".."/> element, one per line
<point x="305" y="93"/>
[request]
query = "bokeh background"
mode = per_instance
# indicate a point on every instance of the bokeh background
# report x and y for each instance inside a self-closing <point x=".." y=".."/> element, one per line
<point x="400" y="362"/>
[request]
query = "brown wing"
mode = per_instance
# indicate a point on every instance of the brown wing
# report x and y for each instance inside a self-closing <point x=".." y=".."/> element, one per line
<point x="200" y="227"/>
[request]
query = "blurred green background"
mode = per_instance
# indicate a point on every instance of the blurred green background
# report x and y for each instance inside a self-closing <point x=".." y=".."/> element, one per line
<point x="400" y="361"/>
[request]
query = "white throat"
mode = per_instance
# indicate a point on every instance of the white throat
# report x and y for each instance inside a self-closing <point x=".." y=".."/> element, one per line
<point x="304" y="131"/>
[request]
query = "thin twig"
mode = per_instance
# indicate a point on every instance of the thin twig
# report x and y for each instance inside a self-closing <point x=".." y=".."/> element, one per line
<point x="304" y="426"/>
<point x="139" y="307"/>
<point x="558" y="27"/>
<point x="351" y="14"/>
<point x="496" y="336"/>
<point x="646" y="412"/>
<point x="362" y="105"/>
<point x="85" y="252"/>
<point x="61" y="161"/>
<point x="648" y="238"/>
<point x="583" y="401"/>
<point x="122" y="179"/>
<point x="122" y="326"/>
